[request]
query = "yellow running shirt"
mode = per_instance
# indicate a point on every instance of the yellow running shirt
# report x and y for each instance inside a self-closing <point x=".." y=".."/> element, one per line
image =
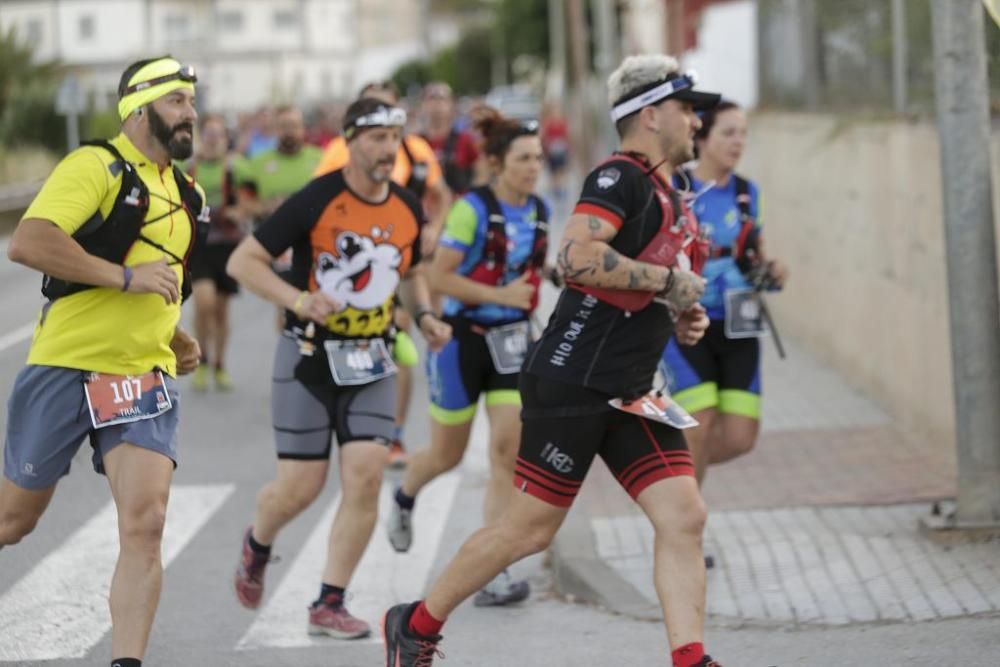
<point x="103" y="329"/>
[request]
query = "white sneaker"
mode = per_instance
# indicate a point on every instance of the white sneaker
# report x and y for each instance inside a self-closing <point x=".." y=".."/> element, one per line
<point x="400" y="528"/>
<point x="502" y="591"/>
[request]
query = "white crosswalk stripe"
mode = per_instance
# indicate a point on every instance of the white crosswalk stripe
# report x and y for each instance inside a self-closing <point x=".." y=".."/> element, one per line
<point x="383" y="577"/>
<point x="60" y="608"/>
<point x="18" y="335"/>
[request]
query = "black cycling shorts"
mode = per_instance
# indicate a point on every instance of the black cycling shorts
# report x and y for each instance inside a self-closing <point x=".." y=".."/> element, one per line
<point x="717" y="373"/>
<point x="463" y="370"/>
<point x="208" y="262"/>
<point x="565" y="426"/>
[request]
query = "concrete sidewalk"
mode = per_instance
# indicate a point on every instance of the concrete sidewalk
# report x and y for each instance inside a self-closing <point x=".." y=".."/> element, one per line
<point x="817" y="526"/>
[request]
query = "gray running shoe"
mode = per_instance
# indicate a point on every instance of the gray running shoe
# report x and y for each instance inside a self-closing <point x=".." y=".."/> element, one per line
<point x="400" y="528"/>
<point x="502" y="591"/>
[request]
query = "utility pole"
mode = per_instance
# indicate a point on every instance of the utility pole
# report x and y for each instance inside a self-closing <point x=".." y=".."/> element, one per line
<point x="607" y="57"/>
<point x="675" y="28"/>
<point x="899" y="56"/>
<point x="964" y="129"/>
<point x="809" y="35"/>
<point x="498" y="52"/>
<point x="556" y="85"/>
<point x="580" y="53"/>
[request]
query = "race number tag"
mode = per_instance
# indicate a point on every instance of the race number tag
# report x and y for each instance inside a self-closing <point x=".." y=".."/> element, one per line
<point x="355" y="362"/>
<point x="744" y="316"/>
<point x="507" y="345"/>
<point x="120" y="399"/>
<point x="658" y="407"/>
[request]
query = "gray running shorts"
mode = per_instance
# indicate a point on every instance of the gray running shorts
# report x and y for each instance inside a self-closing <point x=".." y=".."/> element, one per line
<point x="47" y="420"/>
<point x="305" y="417"/>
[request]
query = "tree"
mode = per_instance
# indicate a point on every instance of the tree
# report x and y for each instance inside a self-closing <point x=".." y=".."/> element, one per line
<point x="465" y="66"/>
<point x="27" y="96"/>
<point x="518" y="27"/>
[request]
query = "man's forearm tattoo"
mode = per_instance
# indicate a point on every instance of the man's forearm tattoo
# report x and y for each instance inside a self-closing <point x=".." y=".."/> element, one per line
<point x="604" y="270"/>
<point x="611" y="259"/>
<point x="570" y="271"/>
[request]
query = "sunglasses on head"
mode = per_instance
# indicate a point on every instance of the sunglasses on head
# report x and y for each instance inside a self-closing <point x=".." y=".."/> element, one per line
<point x="528" y="127"/>
<point x="382" y="117"/>
<point x="186" y="73"/>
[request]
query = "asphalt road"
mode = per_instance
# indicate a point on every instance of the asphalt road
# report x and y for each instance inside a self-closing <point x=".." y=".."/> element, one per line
<point x="52" y="604"/>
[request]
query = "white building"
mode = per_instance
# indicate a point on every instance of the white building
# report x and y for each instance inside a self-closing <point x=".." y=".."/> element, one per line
<point x="247" y="52"/>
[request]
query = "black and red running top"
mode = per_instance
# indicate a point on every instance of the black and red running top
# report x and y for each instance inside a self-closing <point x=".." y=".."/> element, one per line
<point x="589" y="341"/>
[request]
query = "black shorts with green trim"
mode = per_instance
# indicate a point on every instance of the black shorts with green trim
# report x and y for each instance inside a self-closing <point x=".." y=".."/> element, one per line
<point x="718" y="372"/>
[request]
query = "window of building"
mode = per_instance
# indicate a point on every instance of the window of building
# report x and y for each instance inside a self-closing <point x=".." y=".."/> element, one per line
<point x="286" y="18"/>
<point x="231" y="20"/>
<point x="86" y="27"/>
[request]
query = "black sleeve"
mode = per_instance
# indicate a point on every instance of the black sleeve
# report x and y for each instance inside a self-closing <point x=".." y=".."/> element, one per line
<point x="416" y="254"/>
<point x="609" y="193"/>
<point x="294" y="219"/>
<point x="417" y="209"/>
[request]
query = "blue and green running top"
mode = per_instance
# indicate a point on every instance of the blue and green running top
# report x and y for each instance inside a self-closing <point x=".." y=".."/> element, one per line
<point x="717" y="211"/>
<point x="465" y="231"/>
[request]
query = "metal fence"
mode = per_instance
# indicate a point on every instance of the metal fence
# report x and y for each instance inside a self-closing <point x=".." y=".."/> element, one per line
<point x="865" y="55"/>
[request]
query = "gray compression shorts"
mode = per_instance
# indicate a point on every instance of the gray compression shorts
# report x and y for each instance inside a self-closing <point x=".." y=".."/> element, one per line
<point x="305" y="417"/>
<point x="48" y="419"/>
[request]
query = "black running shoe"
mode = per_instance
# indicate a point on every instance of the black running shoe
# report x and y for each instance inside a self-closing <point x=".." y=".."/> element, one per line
<point x="402" y="647"/>
<point x="708" y="662"/>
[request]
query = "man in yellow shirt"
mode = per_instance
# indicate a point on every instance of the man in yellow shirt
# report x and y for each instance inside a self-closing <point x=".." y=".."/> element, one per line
<point x="111" y="230"/>
<point x="417" y="169"/>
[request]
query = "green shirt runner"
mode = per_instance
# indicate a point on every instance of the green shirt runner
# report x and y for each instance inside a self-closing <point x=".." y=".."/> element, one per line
<point x="274" y="174"/>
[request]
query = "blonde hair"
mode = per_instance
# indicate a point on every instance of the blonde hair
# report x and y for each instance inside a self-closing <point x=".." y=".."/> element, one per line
<point x="638" y="72"/>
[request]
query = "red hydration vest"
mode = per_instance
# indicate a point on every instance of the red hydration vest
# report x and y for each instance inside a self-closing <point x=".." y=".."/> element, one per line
<point x="677" y="235"/>
<point x="492" y="266"/>
<point x="745" y="247"/>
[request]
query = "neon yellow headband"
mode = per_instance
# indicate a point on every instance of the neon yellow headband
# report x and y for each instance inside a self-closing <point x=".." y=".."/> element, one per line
<point x="152" y="82"/>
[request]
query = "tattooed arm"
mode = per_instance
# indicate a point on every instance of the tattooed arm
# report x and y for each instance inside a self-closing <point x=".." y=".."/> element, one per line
<point x="586" y="258"/>
<point x="682" y="293"/>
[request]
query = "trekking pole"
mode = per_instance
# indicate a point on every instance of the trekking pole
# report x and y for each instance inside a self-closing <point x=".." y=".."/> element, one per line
<point x="766" y="314"/>
<point x="760" y="278"/>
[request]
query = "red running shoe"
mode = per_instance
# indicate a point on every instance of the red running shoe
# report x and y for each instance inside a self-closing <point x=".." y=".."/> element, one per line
<point x="249" y="579"/>
<point x="331" y="618"/>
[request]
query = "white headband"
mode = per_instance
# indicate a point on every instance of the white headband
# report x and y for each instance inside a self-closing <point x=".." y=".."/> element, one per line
<point x="383" y="116"/>
<point x="653" y="95"/>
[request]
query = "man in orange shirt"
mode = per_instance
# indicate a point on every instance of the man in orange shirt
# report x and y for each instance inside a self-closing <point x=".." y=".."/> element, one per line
<point x="356" y="240"/>
<point x="418" y="170"/>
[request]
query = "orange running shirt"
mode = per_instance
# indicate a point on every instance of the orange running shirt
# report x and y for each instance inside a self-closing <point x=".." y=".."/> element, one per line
<point x="354" y="250"/>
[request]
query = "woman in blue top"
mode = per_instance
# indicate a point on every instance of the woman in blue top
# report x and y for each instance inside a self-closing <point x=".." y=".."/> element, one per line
<point x="718" y="379"/>
<point x="488" y="265"/>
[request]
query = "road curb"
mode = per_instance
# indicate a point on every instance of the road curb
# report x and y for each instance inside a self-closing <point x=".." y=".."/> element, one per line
<point x="580" y="572"/>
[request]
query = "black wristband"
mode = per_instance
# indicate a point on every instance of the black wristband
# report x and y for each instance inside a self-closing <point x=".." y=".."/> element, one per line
<point x="421" y="313"/>
<point x="670" y="281"/>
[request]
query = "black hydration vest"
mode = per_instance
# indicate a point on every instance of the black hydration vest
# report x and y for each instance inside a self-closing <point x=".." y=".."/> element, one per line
<point x="111" y="239"/>
<point x="419" y="169"/>
<point x="459" y="179"/>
